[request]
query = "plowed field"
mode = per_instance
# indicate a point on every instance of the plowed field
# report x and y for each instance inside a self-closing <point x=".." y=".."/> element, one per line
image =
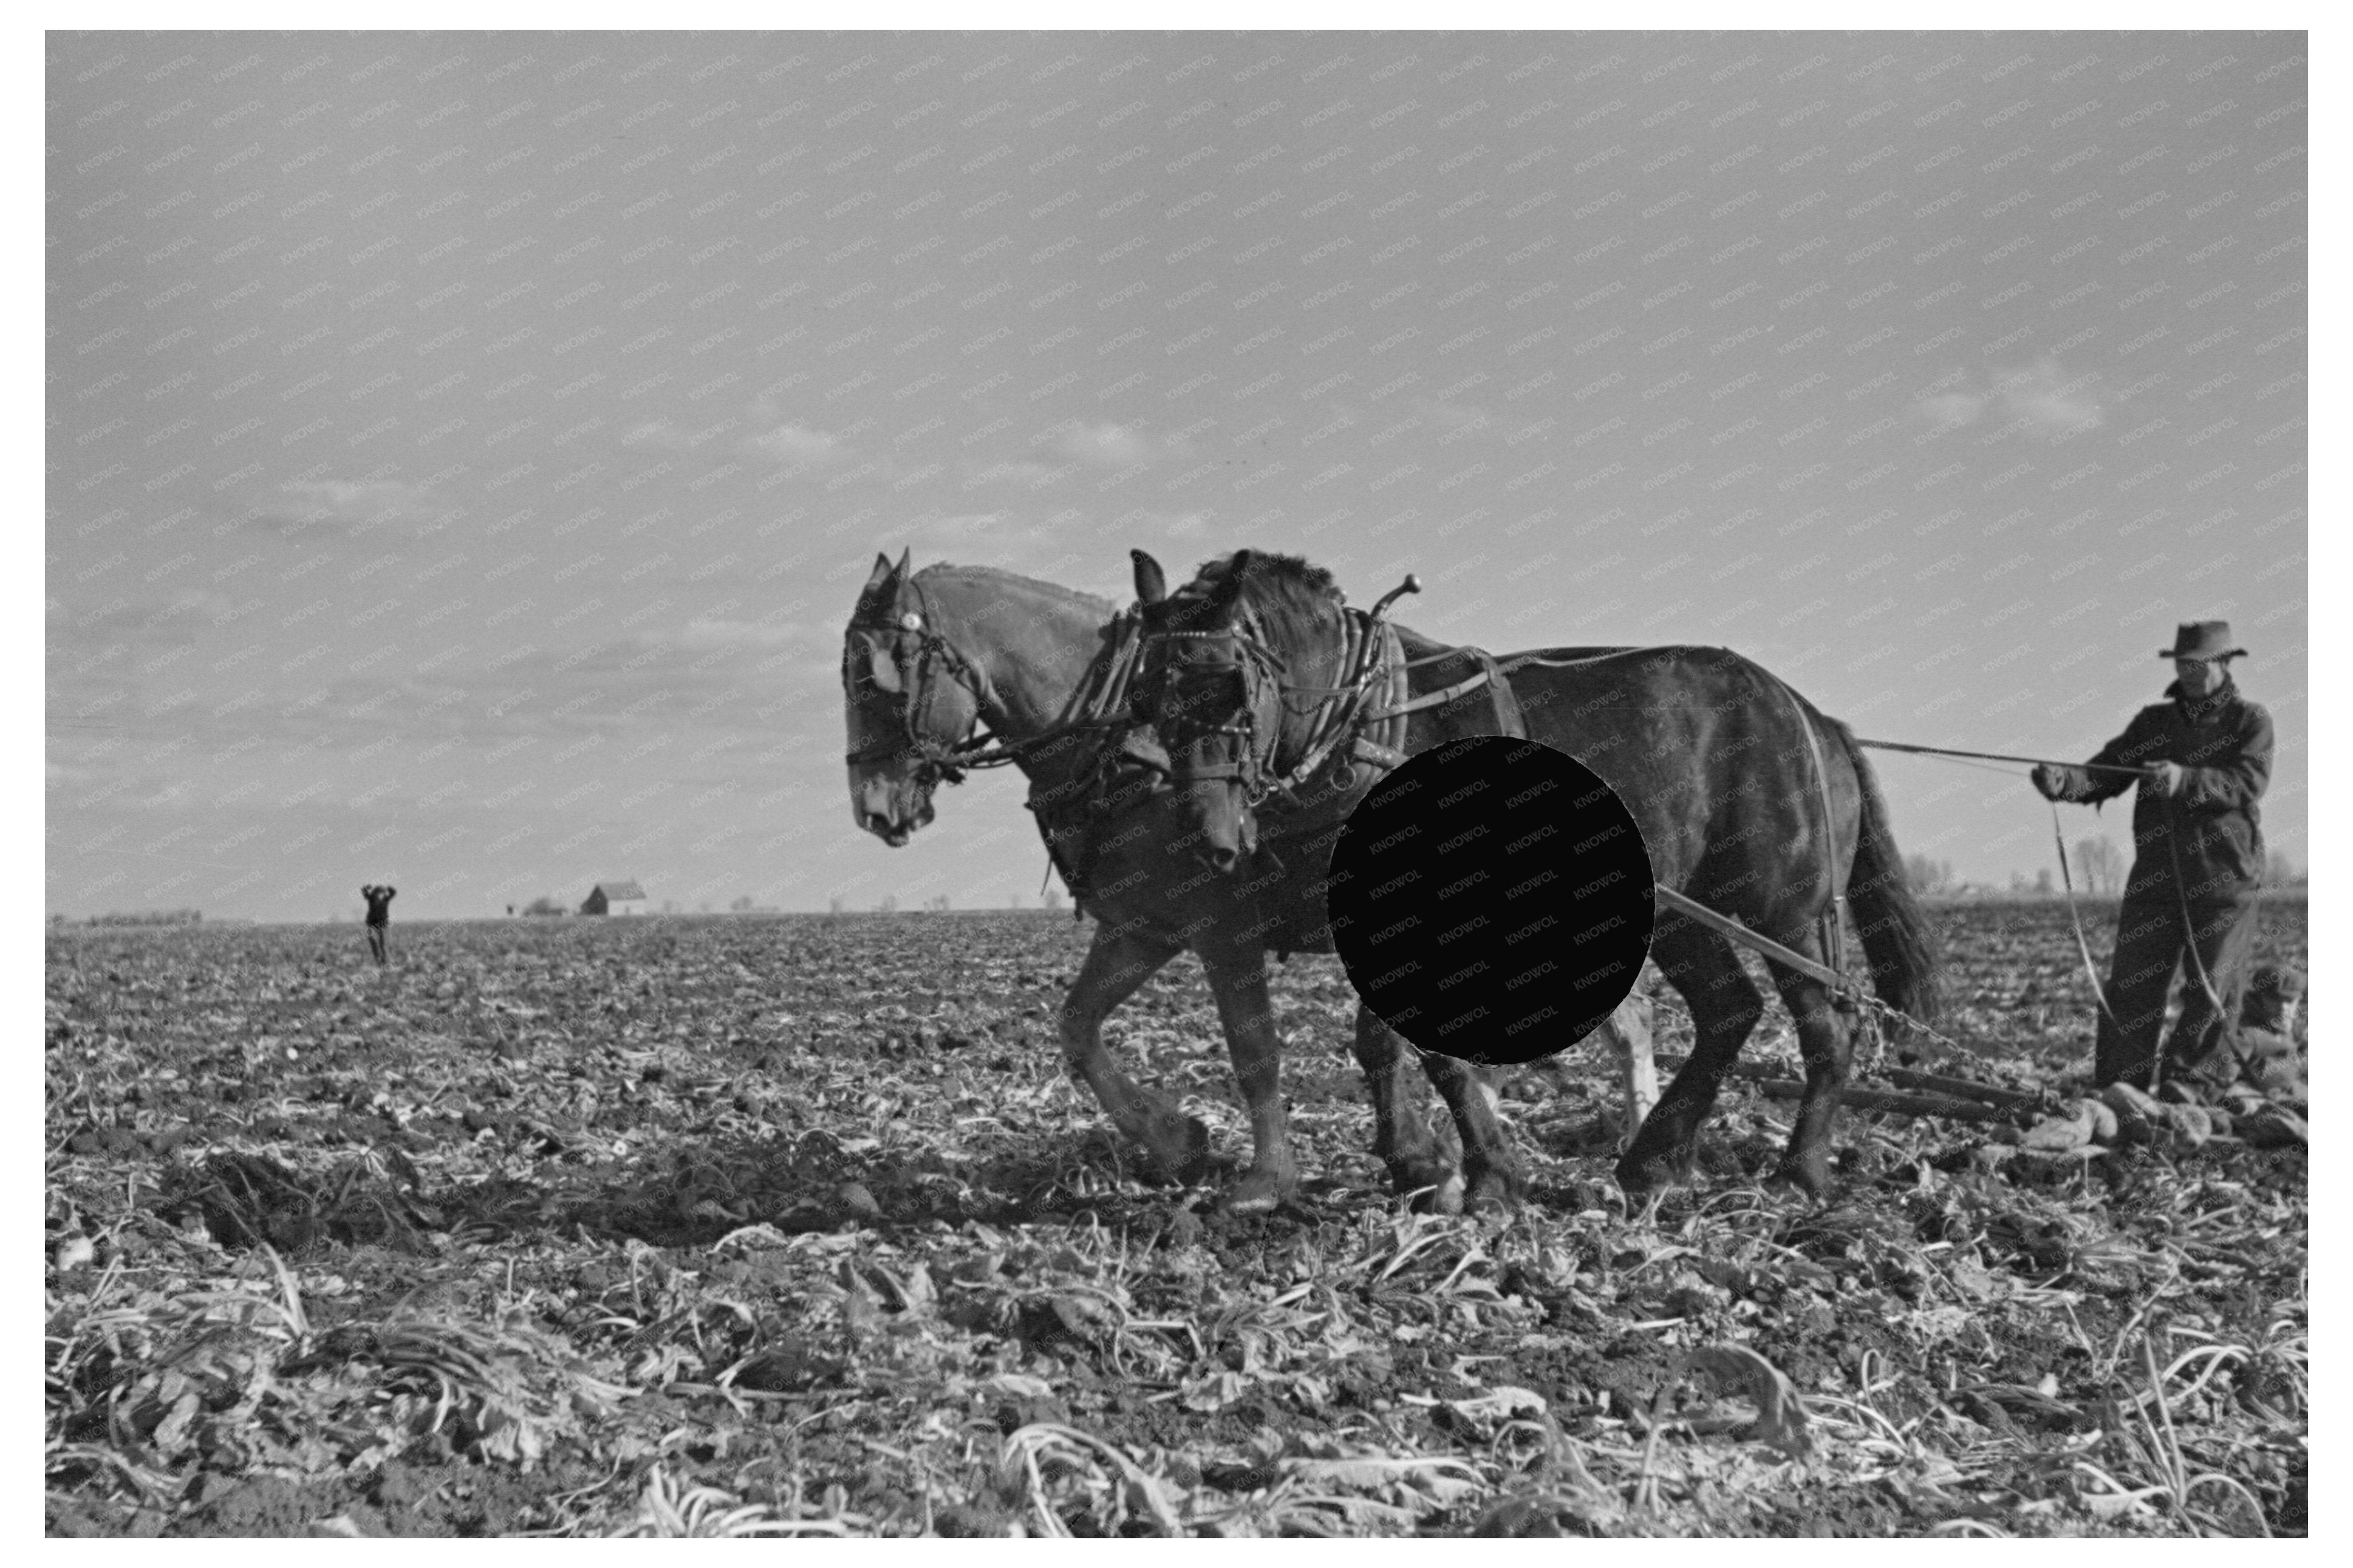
<point x="794" y="1226"/>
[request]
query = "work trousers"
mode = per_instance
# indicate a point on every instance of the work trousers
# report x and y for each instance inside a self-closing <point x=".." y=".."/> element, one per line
<point x="2150" y="952"/>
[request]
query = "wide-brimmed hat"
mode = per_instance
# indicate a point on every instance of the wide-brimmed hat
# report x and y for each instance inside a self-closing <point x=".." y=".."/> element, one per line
<point x="2201" y="639"/>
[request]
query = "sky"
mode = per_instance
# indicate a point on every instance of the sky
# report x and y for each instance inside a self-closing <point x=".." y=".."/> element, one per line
<point x="464" y="450"/>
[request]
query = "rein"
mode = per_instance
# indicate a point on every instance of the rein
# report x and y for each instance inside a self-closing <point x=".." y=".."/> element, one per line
<point x="2075" y="918"/>
<point x="2193" y="963"/>
<point x="1098" y="703"/>
<point x="1833" y="924"/>
<point x="2225" y="1022"/>
<point x="1124" y="765"/>
<point x="2057" y="838"/>
<point x="1994" y="757"/>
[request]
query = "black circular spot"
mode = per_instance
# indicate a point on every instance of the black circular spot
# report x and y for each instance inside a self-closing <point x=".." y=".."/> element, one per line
<point x="1490" y="900"/>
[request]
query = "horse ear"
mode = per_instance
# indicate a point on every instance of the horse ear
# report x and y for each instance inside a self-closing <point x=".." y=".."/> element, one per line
<point x="1151" y="582"/>
<point x="1229" y="583"/>
<point x="905" y="557"/>
<point x="880" y="574"/>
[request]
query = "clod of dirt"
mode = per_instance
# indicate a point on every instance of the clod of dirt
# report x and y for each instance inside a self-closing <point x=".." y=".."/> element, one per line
<point x="789" y="1366"/>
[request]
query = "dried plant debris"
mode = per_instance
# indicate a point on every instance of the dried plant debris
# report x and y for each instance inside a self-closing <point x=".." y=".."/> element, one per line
<point x="793" y="1227"/>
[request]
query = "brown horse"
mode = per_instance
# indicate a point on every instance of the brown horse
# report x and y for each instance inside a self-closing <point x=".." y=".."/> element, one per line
<point x="1750" y="801"/>
<point x="930" y="658"/>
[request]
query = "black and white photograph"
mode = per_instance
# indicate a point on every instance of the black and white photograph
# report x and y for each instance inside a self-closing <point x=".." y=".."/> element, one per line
<point x="1176" y="784"/>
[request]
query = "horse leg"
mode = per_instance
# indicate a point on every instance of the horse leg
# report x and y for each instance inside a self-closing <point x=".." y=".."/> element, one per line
<point x="1822" y="1040"/>
<point x="1238" y="981"/>
<point x="1402" y="1136"/>
<point x="1491" y="1176"/>
<point x="1629" y="1030"/>
<point x="1118" y="963"/>
<point x="1724" y="1007"/>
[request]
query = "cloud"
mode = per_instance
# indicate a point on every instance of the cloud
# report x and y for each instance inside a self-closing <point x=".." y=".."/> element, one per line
<point x="355" y="506"/>
<point x="2047" y="405"/>
<point x="787" y="441"/>
<point x="670" y="437"/>
<point x="1019" y="471"/>
<point x="2037" y="399"/>
<point x="1107" y="445"/>
<point x="1951" y="408"/>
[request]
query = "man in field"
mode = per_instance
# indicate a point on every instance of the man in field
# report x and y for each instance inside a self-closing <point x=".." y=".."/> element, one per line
<point x="2204" y="757"/>
<point x="379" y="916"/>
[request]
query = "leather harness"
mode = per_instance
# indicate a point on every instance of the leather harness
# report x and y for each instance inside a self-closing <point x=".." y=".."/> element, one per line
<point x="1361" y="719"/>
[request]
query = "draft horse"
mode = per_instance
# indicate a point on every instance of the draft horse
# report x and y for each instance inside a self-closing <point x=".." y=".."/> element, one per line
<point x="953" y="667"/>
<point x="1750" y="801"/>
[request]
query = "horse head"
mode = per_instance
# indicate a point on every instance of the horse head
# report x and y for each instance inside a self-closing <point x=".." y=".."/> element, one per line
<point x="910" y="701"/>
<point x="1218" y="654"/>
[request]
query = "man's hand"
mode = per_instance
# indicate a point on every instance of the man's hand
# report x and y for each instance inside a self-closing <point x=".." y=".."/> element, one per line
<point x="2048" y="782"/>
<point x="2165" y="778"/>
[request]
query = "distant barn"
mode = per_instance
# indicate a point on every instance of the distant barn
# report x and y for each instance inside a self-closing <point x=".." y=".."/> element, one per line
<point x="614" y="898"/>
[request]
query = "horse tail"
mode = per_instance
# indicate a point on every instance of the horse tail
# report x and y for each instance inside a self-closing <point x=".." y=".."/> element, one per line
<point x="1896" y="936"/>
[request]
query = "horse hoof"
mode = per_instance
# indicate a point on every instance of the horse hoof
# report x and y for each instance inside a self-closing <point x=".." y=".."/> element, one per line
<point x="1405" y="1180"/>
<point x="1643" y="1177"/>
<point x="1181" y="1148"/>
<point x="1259" y="1194"/>
<point x="1808" y="1177"/>
<point x="1492" y="1194"/>
<point x="1442" y="1197"/>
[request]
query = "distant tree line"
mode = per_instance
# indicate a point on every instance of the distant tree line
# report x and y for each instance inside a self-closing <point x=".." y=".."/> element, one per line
<point x="939" y="903"/>
<point x="2096" y="867"/>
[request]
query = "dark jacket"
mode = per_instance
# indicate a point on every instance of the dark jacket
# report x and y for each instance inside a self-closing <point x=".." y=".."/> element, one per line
<point x="2225" y="749"/>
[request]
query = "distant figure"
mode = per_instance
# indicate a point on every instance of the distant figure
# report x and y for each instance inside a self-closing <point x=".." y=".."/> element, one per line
<point x="2204" y="759"/>
<point x="379" y="916"/>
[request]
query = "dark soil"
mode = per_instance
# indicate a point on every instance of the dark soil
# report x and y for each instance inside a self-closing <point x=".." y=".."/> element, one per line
<point x="793" y="1225"/>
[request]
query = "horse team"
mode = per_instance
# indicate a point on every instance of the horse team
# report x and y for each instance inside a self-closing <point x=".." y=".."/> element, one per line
<point x="1192" y="758"/>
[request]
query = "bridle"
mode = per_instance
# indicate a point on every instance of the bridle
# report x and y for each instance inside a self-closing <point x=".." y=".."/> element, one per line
<point x="1107" y="775"/>
<point x="916" y="649"/>
<point x="1238" y="654"/>
<point x="920" y="655"/>
<point x="1233" y="656"/>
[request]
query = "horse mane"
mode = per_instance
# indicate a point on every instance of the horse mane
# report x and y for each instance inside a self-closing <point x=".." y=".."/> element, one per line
<point x="999" y="575"/>
<point x="1293" y="601"/>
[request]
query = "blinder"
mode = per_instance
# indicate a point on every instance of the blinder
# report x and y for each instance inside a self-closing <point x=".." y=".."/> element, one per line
<point x="1207" y="684"/>
<point x="895" y="668"/>
<point x="1356" y="726"/>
